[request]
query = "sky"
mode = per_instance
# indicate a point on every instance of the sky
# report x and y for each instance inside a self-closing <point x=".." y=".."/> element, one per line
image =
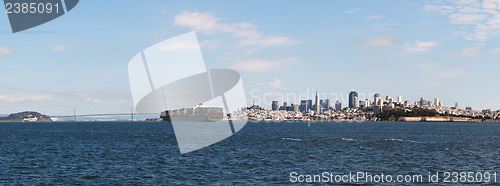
<point x="284" y="50"/>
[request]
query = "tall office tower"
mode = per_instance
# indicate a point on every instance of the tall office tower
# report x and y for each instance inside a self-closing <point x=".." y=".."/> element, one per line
<point x="304" y="107"/>
<point x="338" y="105"/>
<point x="353" y="99"/>
<point x="367" y="103"/>
<point x="422" y="102"/>
<point x="361" y="104"/>
<point x="326" y="104"/>
<point x="436" y="102"/>
<point x="285" y="104"/>
<point x="309" y="105"/>
<point x="456" y="105"/>
<point x="275" y="105"/>
<point x="295" y="107"/>
<point x="400" y="99"/>
<point x="375" y="97"/>
<point x="316" y="103"/>
<point x="440" y="103"/>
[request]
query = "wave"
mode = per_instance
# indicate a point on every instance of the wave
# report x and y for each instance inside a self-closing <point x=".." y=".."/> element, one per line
<point x="344" y="139"/>
<point x="291" y="139"/>
<point x="403" y="140"/>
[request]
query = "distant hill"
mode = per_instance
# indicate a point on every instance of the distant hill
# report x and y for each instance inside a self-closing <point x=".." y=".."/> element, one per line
<point x="26" y="116"/>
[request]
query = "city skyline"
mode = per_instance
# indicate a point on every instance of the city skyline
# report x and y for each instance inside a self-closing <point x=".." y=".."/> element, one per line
<point x="377" y="100"/>
<point x="445" y="49"/>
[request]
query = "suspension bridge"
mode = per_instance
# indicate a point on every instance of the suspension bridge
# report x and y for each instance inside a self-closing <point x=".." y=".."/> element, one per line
<point x="74" y="115"/>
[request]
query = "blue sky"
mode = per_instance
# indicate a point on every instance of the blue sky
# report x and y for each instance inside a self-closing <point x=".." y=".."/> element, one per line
<point x="445" y="49"/>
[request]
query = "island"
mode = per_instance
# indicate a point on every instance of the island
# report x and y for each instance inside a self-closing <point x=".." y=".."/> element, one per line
<point x="25" y="116"/>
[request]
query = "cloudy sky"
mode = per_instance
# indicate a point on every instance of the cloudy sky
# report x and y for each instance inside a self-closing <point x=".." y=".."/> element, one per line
<point x="285" y="50"/>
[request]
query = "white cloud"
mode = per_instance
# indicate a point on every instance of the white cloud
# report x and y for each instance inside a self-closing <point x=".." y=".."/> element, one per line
<point x="439" y="8"/>
<point x="246" y="32"/>
<point x="261" y="65"/>
<point x="9" y="98"/>
<point x="177" y="45"/>
<point x="59" y="48"/>
<point x="459" y="18"/>
<point x="276" y="84"/>
<point x="471" y="52"/>
<point x="377" y="41"/>
<point x="420" y="46"/>
<point x="451" y="73"/>
<point x="209" y="44"/>
<point x="484" y="17"/>
<point x="6" y="51"/>
<point x="350" y="11"/>
<point x="203" y="22"/>
<point x="496" y="50"/>
<point x="375" y="17"/>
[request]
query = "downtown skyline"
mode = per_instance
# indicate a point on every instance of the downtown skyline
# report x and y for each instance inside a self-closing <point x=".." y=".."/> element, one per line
<point x="445" y="49"/>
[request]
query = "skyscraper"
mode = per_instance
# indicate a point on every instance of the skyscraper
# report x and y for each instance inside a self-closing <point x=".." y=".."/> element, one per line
<point x="375" y="96"/>
<point x="326" y="104"/>
<point x="275" y="105"/>
<point x="304" y="107"/>
<point x="338" y="105"/>
<point x="316" y="103"/>
<point x="436" y="102"/>
<point x="400" y="99"/>
<point x="309" y="105"/>
<point x="353" y="99"/>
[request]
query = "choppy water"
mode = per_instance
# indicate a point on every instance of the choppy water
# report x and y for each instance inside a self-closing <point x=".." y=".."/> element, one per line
<point x="262" y="153"/>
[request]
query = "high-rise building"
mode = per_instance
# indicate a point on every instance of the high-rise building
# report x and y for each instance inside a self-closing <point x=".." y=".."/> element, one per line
<point x="275" y="105"/>
<point x="326" y="104"/>
<point x="338" y="105"/>
<point x="367" y="103"/>
<point x="316" y="104"/>
<point x="285" y="104"/>
<point x="456" y="105"/>
<point x="353" y="99"/>
<point x="304" y="107"/>
<point x="436" y="102"/>
<point x="375" y="96"/>
<point x="295" y="107"/>
<point x="309" y="105"/>
<point x="400" y="99"/>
